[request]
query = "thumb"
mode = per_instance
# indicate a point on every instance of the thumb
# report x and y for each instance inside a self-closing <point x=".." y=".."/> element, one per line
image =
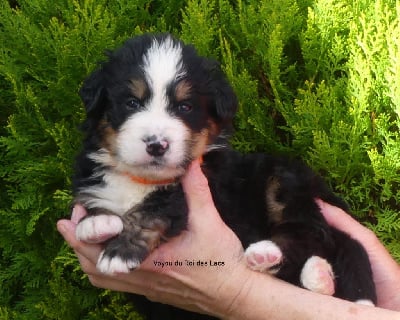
<point x="197" y="192"/>
<point x="341" y="220"/>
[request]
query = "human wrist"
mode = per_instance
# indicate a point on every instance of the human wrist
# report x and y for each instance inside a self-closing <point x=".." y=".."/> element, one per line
<point x="232" y="292"/>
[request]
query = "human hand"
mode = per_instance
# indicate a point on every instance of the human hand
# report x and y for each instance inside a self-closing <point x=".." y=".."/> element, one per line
<point x="386" y="271"/>
<point x="194" y="288"/>
<point x="233" y="291"/>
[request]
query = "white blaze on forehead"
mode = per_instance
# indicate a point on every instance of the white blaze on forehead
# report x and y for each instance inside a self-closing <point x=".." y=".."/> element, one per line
<point x="162" y="65"/>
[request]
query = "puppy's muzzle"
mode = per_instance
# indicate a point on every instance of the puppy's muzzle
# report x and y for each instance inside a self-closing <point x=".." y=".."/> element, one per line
<point x="156" y="147"/>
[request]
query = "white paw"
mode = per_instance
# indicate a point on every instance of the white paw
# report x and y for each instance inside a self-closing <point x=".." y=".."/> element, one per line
<point x="317" y="276"/>
<point x="115" y="265"/>
<point x="97" y="229"/>
<point x="263" y="256"/>
<point x="365" y="302"/>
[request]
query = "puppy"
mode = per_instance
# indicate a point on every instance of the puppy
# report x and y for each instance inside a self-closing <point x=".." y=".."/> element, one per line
<point x="155" y="106"/>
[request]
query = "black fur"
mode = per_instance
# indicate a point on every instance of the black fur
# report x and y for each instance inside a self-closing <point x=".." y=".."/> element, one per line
<point x="239" y="183"/>
<point x="302" y="232"/>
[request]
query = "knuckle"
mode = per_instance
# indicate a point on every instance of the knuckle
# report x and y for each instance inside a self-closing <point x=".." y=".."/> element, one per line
<point x="95" y="281"/>
<point x="76" y="246"/>
<point x="87" y="266"/>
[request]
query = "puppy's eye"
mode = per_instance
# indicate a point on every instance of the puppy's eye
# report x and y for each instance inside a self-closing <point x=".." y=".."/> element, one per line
<point x="133" y="104"/>
<point x="184" y="108"/>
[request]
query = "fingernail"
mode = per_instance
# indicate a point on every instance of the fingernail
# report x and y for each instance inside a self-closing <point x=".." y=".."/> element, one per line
<point x="61" y="227"/>
<point x="320" y="203"/>
<point x="74" y="215"/>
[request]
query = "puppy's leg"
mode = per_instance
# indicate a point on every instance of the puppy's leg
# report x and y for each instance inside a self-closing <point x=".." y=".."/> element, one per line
<point x="98" y="228"/>
<point x="162" y="215"/>
<point x="353" y="271"/>
<point x="138" y="238"/>
<point x="129" y="239"/>
<point x="305" y="255"/>
<point x="264" y="256"/>
<point x="317" y="276"/>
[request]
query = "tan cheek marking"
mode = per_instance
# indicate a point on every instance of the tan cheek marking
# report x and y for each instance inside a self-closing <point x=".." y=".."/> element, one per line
<point x="214" y="131"/>
<point x="200" y="141"/>
<point x="275" y="208"/>
<point x="109" y="136"/>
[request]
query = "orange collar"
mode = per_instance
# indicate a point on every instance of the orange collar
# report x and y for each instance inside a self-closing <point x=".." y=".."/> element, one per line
<point x="145" y="181"/>
<point x="148" y="181"/>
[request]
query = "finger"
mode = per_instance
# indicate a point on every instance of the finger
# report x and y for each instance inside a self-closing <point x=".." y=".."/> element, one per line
<point x="111" y="284"/>
<point x="336" y="217"/>
<point x="87" y="265"/>
<point x="67" y="230"/>
<point x="195" y="186"/>
<point x="137" y="281"/>
<point x="379" y="256"/>
<point x="341" y="220"/>
<point x="78" y="212"/>
<point x="198" y="195"/>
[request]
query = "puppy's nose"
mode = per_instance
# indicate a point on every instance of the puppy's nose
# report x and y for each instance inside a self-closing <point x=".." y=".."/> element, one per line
<point x="155" y="147"/>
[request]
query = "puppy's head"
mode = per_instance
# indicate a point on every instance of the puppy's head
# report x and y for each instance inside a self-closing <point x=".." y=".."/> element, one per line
<point x="155" y="106"/>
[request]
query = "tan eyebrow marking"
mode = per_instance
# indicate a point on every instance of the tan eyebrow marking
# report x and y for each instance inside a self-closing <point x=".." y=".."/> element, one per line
<point x="138" y="88"/>
<point x="182" y="90"/>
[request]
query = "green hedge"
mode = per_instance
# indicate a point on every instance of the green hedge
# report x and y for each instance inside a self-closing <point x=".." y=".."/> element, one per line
<point x="317" y="79"/>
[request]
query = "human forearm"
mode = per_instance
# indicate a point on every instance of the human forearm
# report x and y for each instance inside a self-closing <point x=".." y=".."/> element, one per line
<point x="264" y="297"/>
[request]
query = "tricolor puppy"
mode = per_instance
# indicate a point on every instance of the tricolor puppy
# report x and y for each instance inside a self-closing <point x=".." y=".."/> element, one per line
<point x="155" y="106"/>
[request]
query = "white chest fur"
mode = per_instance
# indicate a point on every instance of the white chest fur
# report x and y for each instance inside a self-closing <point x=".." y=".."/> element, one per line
<point x="118" y="193"/>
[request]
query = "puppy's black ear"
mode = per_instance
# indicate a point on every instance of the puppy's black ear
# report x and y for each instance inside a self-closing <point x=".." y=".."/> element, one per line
<point x="93" y="93"/>
<point x="225" y="99"/>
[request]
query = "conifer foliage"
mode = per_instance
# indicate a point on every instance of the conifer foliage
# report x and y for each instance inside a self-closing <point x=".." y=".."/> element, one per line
<point x="316" y="79"/>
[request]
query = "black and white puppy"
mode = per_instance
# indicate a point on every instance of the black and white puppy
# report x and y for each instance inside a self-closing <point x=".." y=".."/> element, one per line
<point x="152" y="108"/>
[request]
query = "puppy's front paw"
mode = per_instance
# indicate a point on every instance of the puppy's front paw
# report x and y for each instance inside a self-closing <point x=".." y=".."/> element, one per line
<point x="264" y="256"/>
<point x="317" y="276"/>
<point x="112" y="265"/>
<point x="99" y="228"/>
<point x="122" y="254"/>
<point x="136" y="236"/>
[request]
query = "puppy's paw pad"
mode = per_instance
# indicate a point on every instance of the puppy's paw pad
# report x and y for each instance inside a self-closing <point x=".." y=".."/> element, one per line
<point x="97" y="229"/>
<point x="263" y="256"/>
<point x="317" y="276"/>
<point x="110" y="266"/>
